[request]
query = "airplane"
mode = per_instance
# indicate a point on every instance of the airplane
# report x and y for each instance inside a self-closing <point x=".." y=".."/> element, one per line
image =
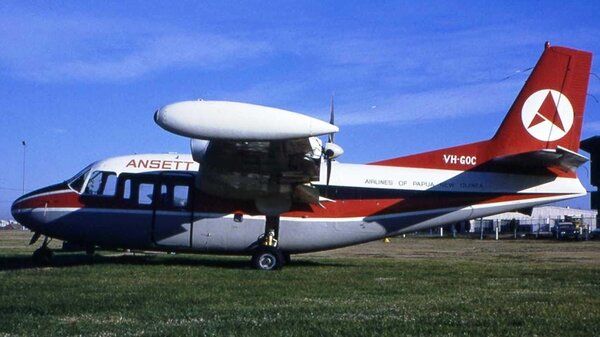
<point x="260" y="182"/>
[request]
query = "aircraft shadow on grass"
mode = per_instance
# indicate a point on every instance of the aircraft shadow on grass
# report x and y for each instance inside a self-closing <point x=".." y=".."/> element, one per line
<point x="20" y="262"/>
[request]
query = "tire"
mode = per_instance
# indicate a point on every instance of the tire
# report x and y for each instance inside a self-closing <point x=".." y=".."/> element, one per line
<point x="90" y="251"/>
<point x="268" y="258"/>
<point x="42" y="256"/>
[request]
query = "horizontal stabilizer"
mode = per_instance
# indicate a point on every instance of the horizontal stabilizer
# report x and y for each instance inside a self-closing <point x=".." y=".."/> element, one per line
<point x="560" y="157"/>
<point x="525" y="211"/>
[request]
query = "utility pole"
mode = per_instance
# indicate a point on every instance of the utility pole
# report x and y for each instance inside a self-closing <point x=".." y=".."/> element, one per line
<point x="24" y="147"/>
<point x="23" y="186"/>
<point x="480" y="228"/>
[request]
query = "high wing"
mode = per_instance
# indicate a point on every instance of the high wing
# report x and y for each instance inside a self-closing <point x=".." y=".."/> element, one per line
<point x="257" y="169"/>
<point x="251" y="152"/>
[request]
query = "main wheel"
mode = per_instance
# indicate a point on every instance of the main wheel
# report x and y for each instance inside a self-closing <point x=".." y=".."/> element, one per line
<point x="268" y="258"/>
<point x="90" y="251"/>
<point x="42" y="256"/>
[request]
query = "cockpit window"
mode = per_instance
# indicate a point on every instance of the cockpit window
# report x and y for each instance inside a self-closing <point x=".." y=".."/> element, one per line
<point x="76" y="183"/>
<point x="101" y="183"/>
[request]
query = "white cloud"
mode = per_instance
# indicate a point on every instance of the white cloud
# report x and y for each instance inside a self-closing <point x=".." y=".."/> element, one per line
<point x="160" y="53"/>
<point x="433" y="105"/>
<point x="58" y="131"/>
<point x="464" y="55"/>
<point x="52" y="48"/>
<point x="427" y="77"/>
<point x="409" y="77"/>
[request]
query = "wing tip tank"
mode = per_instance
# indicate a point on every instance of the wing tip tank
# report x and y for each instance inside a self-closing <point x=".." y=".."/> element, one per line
<point x="238" y="121"/>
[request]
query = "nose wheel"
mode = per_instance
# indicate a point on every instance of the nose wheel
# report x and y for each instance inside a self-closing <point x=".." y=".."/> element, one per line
<point x="43" y="255"/>
<point x="268" y="256"/>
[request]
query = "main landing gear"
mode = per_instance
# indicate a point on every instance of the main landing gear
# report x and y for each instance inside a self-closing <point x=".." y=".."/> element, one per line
<point x="268" y="256"/>
<point x="43" y="255"/>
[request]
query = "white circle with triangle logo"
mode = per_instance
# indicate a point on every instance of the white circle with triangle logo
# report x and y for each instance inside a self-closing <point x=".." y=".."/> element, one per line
<point x="547" y="115"/>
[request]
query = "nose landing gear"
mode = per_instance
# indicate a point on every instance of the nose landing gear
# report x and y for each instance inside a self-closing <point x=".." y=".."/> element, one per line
<point x="43" y="255"/>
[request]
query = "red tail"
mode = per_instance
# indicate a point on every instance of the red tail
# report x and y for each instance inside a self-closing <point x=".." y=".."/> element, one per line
<point x="547" y="114"/>
<point x="549" y="109"/>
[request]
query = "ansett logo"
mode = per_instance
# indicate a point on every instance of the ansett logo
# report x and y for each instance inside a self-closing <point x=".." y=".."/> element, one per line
<point x="547" y="115"/>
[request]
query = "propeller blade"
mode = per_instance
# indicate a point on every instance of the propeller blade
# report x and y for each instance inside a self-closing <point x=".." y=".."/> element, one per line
<point x="331" y="119"/>
<point x="328" y="171"/>
<point x="328" y="177"/>
<point x="328" y="154"/>
<point x="331" y="113"/>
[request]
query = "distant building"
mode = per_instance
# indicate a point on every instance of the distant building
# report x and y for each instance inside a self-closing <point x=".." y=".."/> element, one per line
<point x="10" y="225"/>
<point x="542" y="219"/>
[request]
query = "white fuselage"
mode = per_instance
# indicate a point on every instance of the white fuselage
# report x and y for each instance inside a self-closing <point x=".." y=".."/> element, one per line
<point x="361" y="203"/>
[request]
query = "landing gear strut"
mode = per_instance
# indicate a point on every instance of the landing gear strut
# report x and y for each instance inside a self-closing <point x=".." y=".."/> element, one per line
<point x="43" y="255"/>
<point x="267" y="255"/>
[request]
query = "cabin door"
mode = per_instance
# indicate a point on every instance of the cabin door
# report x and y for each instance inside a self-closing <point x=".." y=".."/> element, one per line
<point x="173" y="211"/>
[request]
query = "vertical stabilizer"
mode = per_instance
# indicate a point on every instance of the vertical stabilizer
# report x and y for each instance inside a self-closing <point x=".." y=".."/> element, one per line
<point x="548" y="112"/>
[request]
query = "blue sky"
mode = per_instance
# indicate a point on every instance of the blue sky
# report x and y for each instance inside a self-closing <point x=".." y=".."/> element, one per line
<point x="81" y="79"/>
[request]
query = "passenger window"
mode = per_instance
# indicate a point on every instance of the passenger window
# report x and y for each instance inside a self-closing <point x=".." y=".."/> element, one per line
<point x="164" y="195"/>
<point x="127" y="189"/>
<point x="102" y="183"/>
<point x="145" y="194"/>
<point x="180" y="196"/>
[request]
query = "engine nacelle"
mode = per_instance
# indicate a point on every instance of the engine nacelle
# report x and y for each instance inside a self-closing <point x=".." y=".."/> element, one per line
<point x="333" y="151"/>
<point x="199" y="147"/>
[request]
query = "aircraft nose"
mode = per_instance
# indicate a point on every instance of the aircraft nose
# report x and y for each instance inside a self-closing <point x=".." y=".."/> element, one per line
<point x="24" y="211"/>
<point x="16" y="209"/>
<point x="34" y="209"/>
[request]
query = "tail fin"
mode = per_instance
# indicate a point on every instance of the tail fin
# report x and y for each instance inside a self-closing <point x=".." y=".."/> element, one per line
<point x="548" y="112"/>
<point x="542" y="127"/>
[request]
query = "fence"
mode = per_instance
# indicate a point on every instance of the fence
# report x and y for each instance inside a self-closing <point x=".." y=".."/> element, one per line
<point x="520" y="227"/>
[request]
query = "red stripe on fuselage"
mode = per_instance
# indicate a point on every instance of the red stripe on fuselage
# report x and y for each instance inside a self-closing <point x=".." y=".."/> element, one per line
<point x="337" y="209"/>
<point x="363" y="208"/>
<point x="51" y="200"/>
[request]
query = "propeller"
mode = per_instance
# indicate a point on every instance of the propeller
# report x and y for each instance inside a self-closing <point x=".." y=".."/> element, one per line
<point x="331" y="120"/>
<point x="331" y="150"/>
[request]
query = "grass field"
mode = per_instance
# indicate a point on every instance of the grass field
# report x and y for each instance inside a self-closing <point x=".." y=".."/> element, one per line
<point x="409" y="287"/>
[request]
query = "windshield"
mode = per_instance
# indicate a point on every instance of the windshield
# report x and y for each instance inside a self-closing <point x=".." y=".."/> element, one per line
<point x="101" y="183"/>
<point x="76" y="183"/>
